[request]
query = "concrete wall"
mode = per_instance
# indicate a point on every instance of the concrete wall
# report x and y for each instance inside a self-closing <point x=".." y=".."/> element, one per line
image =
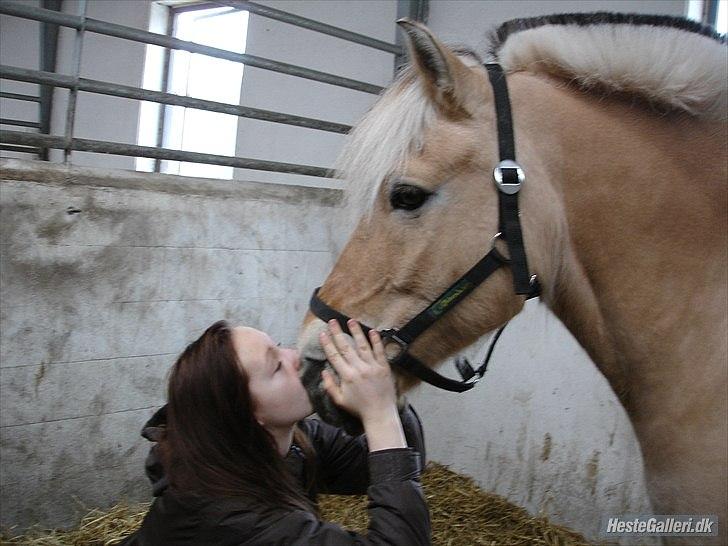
<point x="96" y="304"/>
<point x="105" y="277"/>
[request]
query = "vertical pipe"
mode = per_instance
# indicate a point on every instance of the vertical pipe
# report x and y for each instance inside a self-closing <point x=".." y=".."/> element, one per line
<point x="165" y="89"/>
<point x="710" y="15"/>
<point x="48" y="56"/>
<point x="417" y="10"/>
<point x="73" y="95"/>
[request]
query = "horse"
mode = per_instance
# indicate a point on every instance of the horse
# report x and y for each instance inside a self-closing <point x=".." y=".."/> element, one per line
<point x="620" y="129"/>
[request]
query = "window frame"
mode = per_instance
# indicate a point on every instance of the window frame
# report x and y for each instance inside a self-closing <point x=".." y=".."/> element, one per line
<point x="172" y="12"/>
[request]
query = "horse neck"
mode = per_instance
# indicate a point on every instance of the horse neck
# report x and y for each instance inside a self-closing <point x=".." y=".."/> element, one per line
<point x="643" y="200"/>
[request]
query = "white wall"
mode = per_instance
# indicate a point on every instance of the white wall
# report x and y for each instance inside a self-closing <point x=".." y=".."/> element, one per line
<point x="273" y="91"/>
<point x="466" y="21"/>
<point x="19" y="46"/>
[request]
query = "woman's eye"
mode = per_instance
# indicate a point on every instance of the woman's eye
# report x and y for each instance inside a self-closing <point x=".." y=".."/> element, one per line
<point x="408" y="197"/>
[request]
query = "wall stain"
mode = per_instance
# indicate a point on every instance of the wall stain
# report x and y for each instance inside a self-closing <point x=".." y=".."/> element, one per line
<point x="98" y="404"/>
<point x="39" y="375"/>
<point x="521" y="442"/>
<point x="57" y="342"/>
<point x="55" y="228"/>
<point x="592" y="471"/>
<point x="546" y="450"/>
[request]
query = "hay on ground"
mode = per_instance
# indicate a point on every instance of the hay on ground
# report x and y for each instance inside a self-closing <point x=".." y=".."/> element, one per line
<point x="462" y="515"/>
<point x="97" y="528"/>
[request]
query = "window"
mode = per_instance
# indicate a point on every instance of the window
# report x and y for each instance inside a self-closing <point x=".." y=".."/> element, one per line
<point x="198" y="76"/>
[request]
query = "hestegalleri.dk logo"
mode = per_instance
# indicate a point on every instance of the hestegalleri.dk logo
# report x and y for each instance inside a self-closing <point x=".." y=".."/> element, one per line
<point x="660" y="525"/>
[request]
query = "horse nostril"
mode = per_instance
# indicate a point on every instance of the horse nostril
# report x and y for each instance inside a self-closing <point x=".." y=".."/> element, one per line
<point x="310" y="370"/>
<point x="312" y="363"/>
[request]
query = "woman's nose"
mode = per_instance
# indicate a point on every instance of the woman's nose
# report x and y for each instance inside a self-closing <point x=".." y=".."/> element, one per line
<point x="296" y="360"/>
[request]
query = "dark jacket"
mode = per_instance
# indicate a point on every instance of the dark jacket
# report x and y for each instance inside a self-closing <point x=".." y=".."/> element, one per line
<point x="398" y="514"/>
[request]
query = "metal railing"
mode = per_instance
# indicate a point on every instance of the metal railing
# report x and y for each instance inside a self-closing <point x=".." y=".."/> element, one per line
<point x="40" y="143"/>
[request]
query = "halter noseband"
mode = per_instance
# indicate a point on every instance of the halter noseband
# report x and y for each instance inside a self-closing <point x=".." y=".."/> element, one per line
<point x="508" y="177"/>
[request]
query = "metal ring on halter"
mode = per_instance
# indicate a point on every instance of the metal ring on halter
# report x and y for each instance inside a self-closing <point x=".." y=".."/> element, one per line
<point x="495" y="250"/>
<point x="391" y="334"/>
<point x="505" y="187"/>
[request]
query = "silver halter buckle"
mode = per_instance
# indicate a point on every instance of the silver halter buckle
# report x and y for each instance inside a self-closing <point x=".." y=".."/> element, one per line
<point x="506" y="188"/>
<point x="390" y="334"/>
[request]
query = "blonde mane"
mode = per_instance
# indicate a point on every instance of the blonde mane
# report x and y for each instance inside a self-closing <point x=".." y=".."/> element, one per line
<point x="670" y="62"/>
<point x="381" y="141"/>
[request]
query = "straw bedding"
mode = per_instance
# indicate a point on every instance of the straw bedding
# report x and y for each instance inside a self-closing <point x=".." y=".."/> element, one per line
<point x="462" y="515"/>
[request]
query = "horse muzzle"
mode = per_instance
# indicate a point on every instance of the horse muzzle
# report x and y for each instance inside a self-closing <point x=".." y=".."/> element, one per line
<point x="313" y="362"/>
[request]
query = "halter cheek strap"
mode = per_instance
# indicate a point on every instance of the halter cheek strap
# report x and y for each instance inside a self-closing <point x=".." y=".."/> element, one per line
<point x="508" y="177"/>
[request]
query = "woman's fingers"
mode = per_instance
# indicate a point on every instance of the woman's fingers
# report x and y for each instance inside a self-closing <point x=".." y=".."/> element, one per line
<point x="378" y="347"/>
<point x="332" y="355"/>
<point x="332" y="388"/>
<point x="342" y="343"/>
<point x="362" y="345"/>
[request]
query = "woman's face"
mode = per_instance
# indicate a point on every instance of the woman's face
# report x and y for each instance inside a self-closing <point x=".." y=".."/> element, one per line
<point x="278" y="395"/>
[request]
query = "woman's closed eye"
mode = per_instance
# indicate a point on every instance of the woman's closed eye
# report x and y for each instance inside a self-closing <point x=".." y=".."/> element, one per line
<point x="280" y="362"/>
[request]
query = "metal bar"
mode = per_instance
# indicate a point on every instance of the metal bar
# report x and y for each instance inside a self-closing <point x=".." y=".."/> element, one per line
<point x="18" y="96"/>
<point x="21" y="149"/>
<point x="117" y="148"/>
<point x="73" y="95"/>
<point x="120" y="31"/>
<point x="19" y="123"/>
<point x="303" y="22"/>
<point x="48" y="57"/>
<point x="125" y="91"/>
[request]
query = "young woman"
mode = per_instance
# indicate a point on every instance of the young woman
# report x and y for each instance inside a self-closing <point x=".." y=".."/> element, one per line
<point x="236" y="463"/>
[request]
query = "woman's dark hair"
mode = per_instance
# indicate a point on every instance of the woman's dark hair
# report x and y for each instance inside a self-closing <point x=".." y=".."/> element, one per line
<point x="213" y="445"/>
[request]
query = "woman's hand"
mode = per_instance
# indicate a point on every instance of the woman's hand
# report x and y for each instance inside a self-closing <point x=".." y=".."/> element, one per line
<point x="366" y="387"/>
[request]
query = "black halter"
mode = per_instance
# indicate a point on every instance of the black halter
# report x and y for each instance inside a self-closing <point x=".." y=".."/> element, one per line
<point x="508" y="177"/>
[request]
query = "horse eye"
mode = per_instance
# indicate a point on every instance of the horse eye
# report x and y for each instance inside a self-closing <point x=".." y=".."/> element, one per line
<point x="407" y="197"/>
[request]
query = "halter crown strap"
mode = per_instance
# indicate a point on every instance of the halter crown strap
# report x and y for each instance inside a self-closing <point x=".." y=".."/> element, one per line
<point x="509" y="223"/>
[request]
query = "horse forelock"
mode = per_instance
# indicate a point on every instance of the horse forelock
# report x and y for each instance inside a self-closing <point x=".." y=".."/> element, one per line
<point x="670" y="62"/>
<point x="380" y="143"/>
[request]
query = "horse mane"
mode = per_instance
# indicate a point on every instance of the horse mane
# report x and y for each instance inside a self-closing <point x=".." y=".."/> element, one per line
<point x="672" y="63"/>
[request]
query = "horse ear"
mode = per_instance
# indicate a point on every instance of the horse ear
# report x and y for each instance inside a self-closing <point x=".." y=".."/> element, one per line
<point x="449" y="81"/>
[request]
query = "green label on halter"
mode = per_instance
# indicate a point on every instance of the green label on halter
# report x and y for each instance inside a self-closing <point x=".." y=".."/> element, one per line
<point x="446" y="301"/>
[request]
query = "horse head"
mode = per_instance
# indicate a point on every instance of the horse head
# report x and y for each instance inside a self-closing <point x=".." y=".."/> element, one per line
<point x="420" y="166"/>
